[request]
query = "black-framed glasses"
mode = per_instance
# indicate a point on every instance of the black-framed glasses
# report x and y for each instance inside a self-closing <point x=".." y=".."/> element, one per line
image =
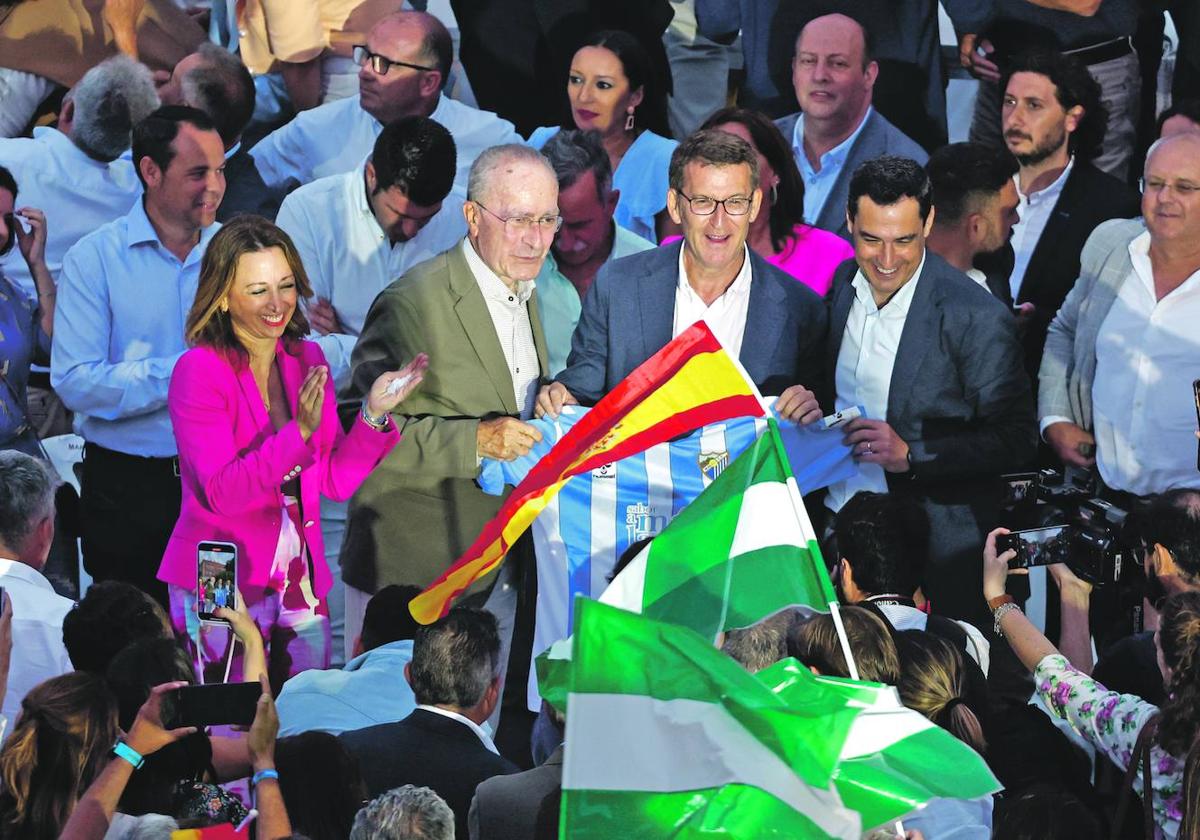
<point x="516" y="225"/>
<point x="702" y="205"/>
<point x="381" y="64"/>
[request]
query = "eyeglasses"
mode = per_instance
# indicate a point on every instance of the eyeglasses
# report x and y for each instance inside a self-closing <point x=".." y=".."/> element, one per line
<point x="702" y="205"/>
<point x="518" y="225"/>
<point x="381" y="64"/>
<point x="1182" y="189"/>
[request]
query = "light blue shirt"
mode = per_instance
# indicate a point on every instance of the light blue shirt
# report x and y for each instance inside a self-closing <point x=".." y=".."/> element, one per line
<point x="559" y="303"/>
<point x="369" y="690"/>
<point x="123" y="299"/>
<point x="818" y="183"/>
<point x="642" y="176"/>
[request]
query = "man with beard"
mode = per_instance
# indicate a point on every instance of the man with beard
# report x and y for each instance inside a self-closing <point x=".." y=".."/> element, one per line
<point x="1054" y="124"/>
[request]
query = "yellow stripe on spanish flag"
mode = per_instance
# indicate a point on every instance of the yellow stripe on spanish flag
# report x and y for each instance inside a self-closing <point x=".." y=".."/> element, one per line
<point x="691" y="382"/>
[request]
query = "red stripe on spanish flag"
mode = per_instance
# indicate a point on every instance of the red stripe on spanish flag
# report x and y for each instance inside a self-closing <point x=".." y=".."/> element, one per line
<point x="689" y="383"/>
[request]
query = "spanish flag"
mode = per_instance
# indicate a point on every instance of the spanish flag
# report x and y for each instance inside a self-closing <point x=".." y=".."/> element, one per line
<point x="689" y="383"/>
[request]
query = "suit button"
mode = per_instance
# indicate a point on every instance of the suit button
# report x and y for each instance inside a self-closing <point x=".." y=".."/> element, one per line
<point x="309" y="524"/>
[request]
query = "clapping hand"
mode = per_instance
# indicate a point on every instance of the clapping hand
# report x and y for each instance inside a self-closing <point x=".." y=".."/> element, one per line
<point x="394" y="387"/>
<point x="311" y="401"/>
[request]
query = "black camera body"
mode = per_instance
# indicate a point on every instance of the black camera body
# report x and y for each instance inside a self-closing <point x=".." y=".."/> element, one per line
<point x="1097" y="542"/>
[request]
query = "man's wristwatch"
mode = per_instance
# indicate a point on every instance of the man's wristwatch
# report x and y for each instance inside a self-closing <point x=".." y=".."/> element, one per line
<point x="377" y="423"/>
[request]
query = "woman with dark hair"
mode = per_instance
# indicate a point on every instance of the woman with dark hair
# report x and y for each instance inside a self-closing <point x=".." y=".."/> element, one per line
<point x="1155" y="746"/>
<point x="253" y="410"/>
<point x="25" y="325"/>
<point x="779" y="234"/>
<point x="60" y="743"/>
<point x="322" y="786"/>
<point x="612" y="88"/>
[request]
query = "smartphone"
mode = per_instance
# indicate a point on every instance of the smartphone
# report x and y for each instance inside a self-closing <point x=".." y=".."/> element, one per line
<point x="219" y="704"/>
<point x="1196" y="393"/>
<point x="1036" y="546"/>
<point x="216" y="579"/>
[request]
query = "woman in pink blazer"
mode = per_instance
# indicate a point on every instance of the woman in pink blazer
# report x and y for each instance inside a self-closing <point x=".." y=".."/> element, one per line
<point x="254" y="413"/>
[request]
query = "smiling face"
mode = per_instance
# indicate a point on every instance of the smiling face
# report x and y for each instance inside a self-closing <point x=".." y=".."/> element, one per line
<point x="889" y="243"/>
<point x="599" y="91"/>
<point x="828" y="73"/>
<point x="519" y="189"/>
<point x="1035" y="124"/>
<point x="190" y="189"/>
<point x="713" y="243"/>
<point x="262" y="297"/>
<point x="1171" y="196"/>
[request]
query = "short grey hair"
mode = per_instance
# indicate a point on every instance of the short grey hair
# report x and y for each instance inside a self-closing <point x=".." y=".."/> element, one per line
<point x="110" y="100"/>
<point x="490" y="163"/>
<point x="573" y="153"/>
<point x="26" y="496"/>
<point x="223" y="88"/>
<point x="404" y="813"/>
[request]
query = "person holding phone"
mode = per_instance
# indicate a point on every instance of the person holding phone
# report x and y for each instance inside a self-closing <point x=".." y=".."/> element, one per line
<point x="253" y="412"/>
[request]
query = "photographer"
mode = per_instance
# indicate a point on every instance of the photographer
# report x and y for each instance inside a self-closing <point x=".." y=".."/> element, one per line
<point x="1113" y="723"/>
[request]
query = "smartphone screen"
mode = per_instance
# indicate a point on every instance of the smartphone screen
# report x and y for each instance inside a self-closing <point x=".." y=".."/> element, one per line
<point x="219" y="704"/>
<point x="1036" y="546"/>
<point x="216" y="579"/>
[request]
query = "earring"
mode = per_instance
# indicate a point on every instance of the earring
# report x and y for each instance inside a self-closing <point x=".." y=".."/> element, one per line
<point x="225" y="306"/>
<point x="629" y="118"/>
<point x="775" y="193"/>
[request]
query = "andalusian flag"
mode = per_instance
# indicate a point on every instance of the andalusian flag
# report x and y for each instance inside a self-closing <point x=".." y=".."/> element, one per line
<point x="669" y="737"/>
<point x="743" y="550"/>
<point x="689" y="383"/>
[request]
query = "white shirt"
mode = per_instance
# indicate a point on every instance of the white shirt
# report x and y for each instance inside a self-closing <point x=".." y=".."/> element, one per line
<point x="510" y="317"/>
<point x="77" y="194"/>
<point x="1142" y="403"/>
<point x="348" y="257"/>
<point x="864" y="370"/>
<point x="1034" y="210"/>
<point x="726" y="317"/>
<point x="979" y="277"/>
<point x="904" y="617"/>
<point x="480" y="732"/>
<point x="338" y="136"/>
<point x="37" y="651"/>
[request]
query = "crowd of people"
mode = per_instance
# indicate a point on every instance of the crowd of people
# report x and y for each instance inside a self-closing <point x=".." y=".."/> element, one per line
<point x="294" y="273"/>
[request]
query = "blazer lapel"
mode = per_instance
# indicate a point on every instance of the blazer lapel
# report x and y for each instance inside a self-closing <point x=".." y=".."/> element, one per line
<point x="476" y="321"/>
<point x="539" y="336"/>
<point x="833" y="215"/>
<point x="765" y="317"/>
<point x="842" y="296"/>
<point x="920" y="332"/>
<point x="656" y="300"/>
<point x="1058" y="225"/>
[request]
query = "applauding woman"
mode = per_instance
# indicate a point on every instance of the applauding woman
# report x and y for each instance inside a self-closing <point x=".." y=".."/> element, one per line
<point x="252" y="405"/>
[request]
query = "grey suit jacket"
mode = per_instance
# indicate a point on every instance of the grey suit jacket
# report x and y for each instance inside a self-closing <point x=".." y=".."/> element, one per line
<point x="961" y="400"/>
<point x="879" y="137"/>
<point x="507" y="807"/>
<point x="629" y="311"/>
<point x="1069" y="359"/>
<point x="420" y="508"/>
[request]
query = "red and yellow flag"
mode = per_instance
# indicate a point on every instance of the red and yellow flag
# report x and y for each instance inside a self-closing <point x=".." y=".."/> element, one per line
<point x="689" y="383"/>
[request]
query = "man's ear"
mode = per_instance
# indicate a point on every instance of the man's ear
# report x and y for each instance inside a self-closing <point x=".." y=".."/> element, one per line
<point x="408" y="673"/>
<point x="673" y="207"/>
<point x="610" y="203"/>
<point x="431" y="83"/>
<point x="151" y="174"/>
<point x="1075" y="116"/>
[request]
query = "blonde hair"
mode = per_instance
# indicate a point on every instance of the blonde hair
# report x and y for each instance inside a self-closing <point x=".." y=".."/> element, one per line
<point x="933" y="681"/>
<point x="207" y="323"/>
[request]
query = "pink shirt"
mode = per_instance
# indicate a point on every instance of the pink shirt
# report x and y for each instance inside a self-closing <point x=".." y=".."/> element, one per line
<point x="811" y="256"/>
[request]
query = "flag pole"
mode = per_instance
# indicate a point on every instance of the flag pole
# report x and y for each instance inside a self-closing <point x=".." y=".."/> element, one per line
<point x="841" y="631"/>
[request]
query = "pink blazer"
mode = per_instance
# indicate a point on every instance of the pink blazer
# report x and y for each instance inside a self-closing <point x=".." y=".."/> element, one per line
<point x="232" y="463"/>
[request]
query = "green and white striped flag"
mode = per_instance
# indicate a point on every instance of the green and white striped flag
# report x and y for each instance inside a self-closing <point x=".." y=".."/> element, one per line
<point x="741" y="551"/>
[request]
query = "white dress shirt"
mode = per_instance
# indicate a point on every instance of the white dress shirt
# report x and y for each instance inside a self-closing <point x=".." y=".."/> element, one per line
<point x="726" y="317"/>
<point x="864" y="370"/>
<point x="818" y="183"/>
<point x="37" y="646"/>
<point x="480" y="732"/>
<point x="510" y="317"/>
<point x="77" y="194"/>
<point x="123" y="299"/>
<point x="1147" y="354"/>
<point x="1034" y="210"/>
<point x="336" y="137"/>
<point x="348" y="257"/>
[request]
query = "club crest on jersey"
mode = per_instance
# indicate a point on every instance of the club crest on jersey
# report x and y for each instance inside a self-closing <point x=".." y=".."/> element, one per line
<point x="608" y="470"/>
<point x="641" y="521"/>
<point x="712" y="464"/>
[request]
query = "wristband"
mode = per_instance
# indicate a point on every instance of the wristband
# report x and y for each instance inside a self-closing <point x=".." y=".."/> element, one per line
<point x="377" y="423"/>
<point x="123" y="750"/>
<point x="995" y="603"/>
<point x="268" y="773"/>
<point x="1001" y="611"/>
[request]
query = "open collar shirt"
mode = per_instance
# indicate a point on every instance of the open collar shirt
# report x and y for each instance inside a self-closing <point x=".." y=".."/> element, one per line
<point x="726" y="316"/>
<point x="1034" y="210"/>
<point x="818" y="183"/>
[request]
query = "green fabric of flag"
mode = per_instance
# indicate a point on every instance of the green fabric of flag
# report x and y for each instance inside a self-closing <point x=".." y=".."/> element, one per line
<point x="742" y="550"/>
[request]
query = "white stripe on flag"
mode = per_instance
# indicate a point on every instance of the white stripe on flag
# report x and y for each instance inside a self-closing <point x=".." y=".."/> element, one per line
<point x="628" y="588"/>
<point x="876" y="730"/>
<point x="630" y="742"/>
<point x="767" y="519"/>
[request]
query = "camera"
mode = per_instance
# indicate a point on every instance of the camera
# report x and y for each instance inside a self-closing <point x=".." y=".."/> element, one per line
<point x="1095" y="538"/>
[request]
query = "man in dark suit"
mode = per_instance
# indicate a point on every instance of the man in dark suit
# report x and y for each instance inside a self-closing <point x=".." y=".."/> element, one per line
<point x="508" y="807"/>
<point x="834" y="74"/>
<point x="975" y="208"/>
<point x="637" y="304"/>
<point x="455" y="677"/>
<point x="1054" y="124"/>
<point x="934" y="359"/>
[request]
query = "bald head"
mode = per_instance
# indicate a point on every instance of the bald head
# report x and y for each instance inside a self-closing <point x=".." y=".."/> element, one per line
<point x="1171" y="195"/>
<point x="410" y="62"/>
<point x="833" y="76"/>
<point x="844" y="29"/>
